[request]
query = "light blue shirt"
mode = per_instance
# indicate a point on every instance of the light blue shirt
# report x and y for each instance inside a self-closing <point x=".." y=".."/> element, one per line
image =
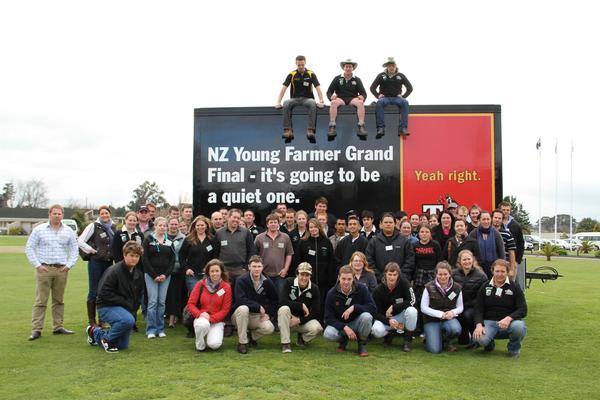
<point x="48" y="246"/>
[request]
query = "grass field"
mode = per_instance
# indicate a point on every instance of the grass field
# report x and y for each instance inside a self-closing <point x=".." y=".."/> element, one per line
<point x="560" y="356"/>
<point x="13" y="240"/>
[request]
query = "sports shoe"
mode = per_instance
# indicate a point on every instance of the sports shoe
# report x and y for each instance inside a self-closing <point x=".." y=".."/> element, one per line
<point x="343" y="342"/>
<point x="286" y="348"/>
<point x="407" y="347"/>
<point x="362" y="348"/>
<point x="252" y="343"/>
<point x="109" y="348"/>
<point x="310" y="135"/>
<point x="380" y="133"/>
<point x="362" y="132"/>
<point x="403" y="132"/>
<point x="151" y="336"/>
<point x="89" y="332"/>
<point x="162" y="334"/>
<point x="300" y="341"/>
<point x="331" y="133"/>
<point x="288" y="134"/>
<point x="490" y="347"/>
<point x="242" y="348"/>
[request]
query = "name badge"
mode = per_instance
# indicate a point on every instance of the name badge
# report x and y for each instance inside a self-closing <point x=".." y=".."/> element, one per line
<point x="349" y="301"/>
<point x="265" y="245"/>
<point x="306" y="83"/>
<point x="508" y="292"/>
<point x="499" y="291"/>
<point x="309" y="295"/>
<point x="103" y="235"/>
<point x="260" y="290"/>
<point x="168" y="242"/>
<point x="389" y="248"/>
<point x="292" y="296"/>
<point x="220" y="292"/>
<point x="138" y="240"/>
<point x="123" y="237"/>
<point x="280" y="245"/>
<point x="354" y="83"/>
<point x="452" y="295"/>
<point x="399" y="301"/>
<point x="223" y="242"/>
<point x="209" y="248"/>
<point x="311" y="252"/>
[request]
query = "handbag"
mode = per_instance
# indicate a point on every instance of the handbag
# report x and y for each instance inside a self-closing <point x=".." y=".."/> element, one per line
<point x="187" y="317"/>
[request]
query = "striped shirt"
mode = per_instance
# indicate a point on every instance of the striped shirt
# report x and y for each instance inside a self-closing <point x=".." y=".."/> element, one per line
<point x="509" y="242"/>
<point x="48" y="246"/>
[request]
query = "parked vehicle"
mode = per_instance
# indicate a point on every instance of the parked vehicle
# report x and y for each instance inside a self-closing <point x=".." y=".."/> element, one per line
<point x="71" y="223"/>
<point x="528" y="245"/>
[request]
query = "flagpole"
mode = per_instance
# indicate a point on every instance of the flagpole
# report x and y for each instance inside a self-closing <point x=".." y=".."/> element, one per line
<point x="571" y="212"/>
<point x="556" y="192"/>
<point x="539" y="149"/>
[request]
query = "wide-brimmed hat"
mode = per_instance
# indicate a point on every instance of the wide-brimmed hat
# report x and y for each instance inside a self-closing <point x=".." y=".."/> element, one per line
<point x="348" y="61"/>
<point x="389" y="61"/>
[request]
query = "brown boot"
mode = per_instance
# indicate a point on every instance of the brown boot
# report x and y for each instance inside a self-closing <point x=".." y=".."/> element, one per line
<point x="91" y="311"/>
<point x="288" y="134"/>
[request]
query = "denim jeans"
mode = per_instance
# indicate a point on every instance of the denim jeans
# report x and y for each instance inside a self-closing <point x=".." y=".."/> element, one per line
<point x="402" y="104"/>
<point x="157" y="295"/>
<point x="96" y="269"/>
<point x="408" y="318"/>
<point x="121" y="321"/>
<point x="311" y="108"/>
<point x="515" y="333"/>
<point x="361" y="326"/>
<point x="435" y="332"/>
<point x="190" y="282"/>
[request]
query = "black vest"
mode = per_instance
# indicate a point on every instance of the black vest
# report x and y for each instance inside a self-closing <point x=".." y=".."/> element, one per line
<point x="441" y="302"/>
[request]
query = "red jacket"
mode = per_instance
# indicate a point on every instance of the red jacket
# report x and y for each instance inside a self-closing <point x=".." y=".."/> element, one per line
<point x="217" y="304"/>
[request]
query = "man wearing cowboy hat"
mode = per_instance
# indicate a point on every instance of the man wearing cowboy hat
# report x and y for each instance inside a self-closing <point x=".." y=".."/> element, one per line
<point x="302" y="81"/>
<point x="390" y="83"/>
<point x="347" y="89"/>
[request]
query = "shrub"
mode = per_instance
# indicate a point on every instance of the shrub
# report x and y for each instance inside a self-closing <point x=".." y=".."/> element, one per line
<point x="16" y="230"/>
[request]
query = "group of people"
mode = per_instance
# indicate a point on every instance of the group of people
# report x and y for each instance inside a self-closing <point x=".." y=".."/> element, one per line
<point x="390" y="87"/>
<point x="348" y="278"/>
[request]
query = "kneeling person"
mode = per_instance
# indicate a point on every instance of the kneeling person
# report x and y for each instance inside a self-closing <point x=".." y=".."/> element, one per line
<point x="500" y="310"/>
<point x="118" y="292"/>
<point x="255" y="304"/>
<point x="300" y="308"/>
<point x="395" y="312"/>
<point x="349" y="309"/>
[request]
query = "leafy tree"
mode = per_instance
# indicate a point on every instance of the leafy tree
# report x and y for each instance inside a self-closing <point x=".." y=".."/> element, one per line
<point x="32" y="194"/>
<point x="81" y="218"/>
<point x="549" y="250"/>
<point x="585" y="248"/>
<point x="8" y="195"/>
<point x="519" y="213"/>
<point x="148" y="193"/>
<point x="588" y="225"/>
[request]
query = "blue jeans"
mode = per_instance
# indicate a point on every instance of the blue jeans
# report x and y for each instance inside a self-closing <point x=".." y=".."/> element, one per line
<point x="515" y="333"/>
<point x="435" y="332"/>
<point x="157" y="295"/>
<point x="96" y="269"/>
<point x="121" y="321"/>
<point x="311" y="109"/>
<point x="408" y="317"/>
<point x="361" y="326"/>
<point x="190" y="282"/>
<point x="402" y="104"/>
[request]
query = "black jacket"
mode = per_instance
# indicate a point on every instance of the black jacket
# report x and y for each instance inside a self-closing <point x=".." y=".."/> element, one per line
<point x="346" y="247"/>
<point x="336" y="303"/>
<point x="195" y="256"/>
<point x="158" y="259"/>
<point x="470" y="285"/>
<point x="123" y="237"/>
<point x="452" y="248"/>
<point x="400" y="298"/>
<point x="246" y="295"/>
<point x="379" y="253"/>
<point x="120" y="288"/>
<point x="318" y="252"/>
<point x="517" y="233"/>
<point x="494" y="304"/>
<point x="437" y="234"/>
<point x="291" y="296"/>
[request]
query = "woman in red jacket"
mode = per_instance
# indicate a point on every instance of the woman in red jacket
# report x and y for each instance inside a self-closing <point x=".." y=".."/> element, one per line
<point x="209" y="303"/>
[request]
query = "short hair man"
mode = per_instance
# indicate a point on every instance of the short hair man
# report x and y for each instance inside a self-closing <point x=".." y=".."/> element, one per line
<point x="368" y="229"/>
<point x="510" y="246"/>
<point x="275" y="249"/>
<point x="354" y="241"/>
<point x="300" y="307"/>
<point x="187" y="213"/>
<point x="321" y="207"/>
<point x="118" y="292"/>
<point x="499" y="312"/>
<point x="347" y="89"/>
<point x="144" y="222"/>
<point x="349" y="310"/>
<point x="390" y="83"/>
<point x="389" y="245"/>
<point x="515" y="229"/>
<point x="301" y="94"/>
<point x="250" y="220"/>
<point x="151" y="211"/>
<point x="236" y="245"/>
<point x="290" y="221"/>
<point x="173" y="212"/>
<point x="52" y="249"/>
<point x="216" y="220"/>
<point x="339" y="232"/>
<point x="256" y="301"/>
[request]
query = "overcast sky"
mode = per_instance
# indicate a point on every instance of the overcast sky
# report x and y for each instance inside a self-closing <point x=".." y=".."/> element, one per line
<point x="95" y="97"/>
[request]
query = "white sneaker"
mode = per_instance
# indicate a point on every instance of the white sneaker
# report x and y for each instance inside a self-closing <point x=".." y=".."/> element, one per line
<point x="162" y="334"/>
<point x="151" y="336"/>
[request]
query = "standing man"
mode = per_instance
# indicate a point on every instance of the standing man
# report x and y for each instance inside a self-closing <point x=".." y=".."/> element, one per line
<point x="144" y="222"/>
<point x="52" y="250"/>
<point x="351" y="243"/>
<point x="255" y="305"/>
<point x="389" y="245"/>
<point x="250" y="220"/>
<point x="514" y="228"/>
<point x="339" y="233"/>
<point x="216" y="220"/>
<point x="236" y="245"/>
<point x="187" y="213"/>
<point x="510" y="247"/>
<point x="368" y="229"/>
<point x="349" y="310"/>
<point x="301" y="94"/>
<point x="300" y="308"/>
<point x="347" y="89"/>
<point x="275" y="249"/>
<point x="390" y="83"/>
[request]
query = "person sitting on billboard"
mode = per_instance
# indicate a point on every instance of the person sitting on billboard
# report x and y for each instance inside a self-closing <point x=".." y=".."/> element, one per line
<point x="347" y="89"/>
<point x="301" y="94"/>
<point x="390" y="83"/>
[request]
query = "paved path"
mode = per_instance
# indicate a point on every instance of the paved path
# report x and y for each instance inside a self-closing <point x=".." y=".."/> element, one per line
<point x="12" y="249"/>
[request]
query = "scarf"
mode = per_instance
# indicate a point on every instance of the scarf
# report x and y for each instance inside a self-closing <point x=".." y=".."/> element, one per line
<point x="108" y="228"/>
<point x="212" y="286"/>
<point x="487" y="247"/>
<point x="444" y="290"/>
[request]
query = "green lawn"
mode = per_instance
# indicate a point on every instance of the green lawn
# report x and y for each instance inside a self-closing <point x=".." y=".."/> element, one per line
<point x="13" y="240"/>
<point x="560" y="357"/>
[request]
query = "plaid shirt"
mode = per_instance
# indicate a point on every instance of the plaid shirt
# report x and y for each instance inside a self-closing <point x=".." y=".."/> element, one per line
<point x="48" y="246"/>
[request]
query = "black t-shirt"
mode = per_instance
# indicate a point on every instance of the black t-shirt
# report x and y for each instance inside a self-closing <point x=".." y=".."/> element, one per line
<point x="301" y="83"/>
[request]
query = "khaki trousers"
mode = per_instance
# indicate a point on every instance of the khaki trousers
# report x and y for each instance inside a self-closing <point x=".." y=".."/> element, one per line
<point x="243" y="319"/>
<point x="53" y="281"/>
<point x="309" y="330"/>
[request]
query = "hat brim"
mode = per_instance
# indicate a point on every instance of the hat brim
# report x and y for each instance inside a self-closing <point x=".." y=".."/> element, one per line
<point x="354" y="65"/>
<point x="388" y="63"/>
